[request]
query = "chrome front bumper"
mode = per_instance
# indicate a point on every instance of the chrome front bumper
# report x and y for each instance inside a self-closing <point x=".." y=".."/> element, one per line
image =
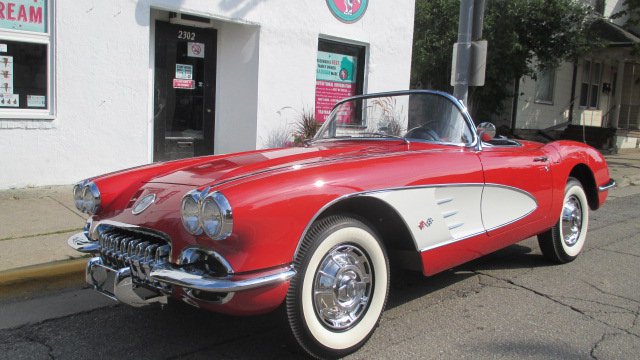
<point x="170" y="274"/>
<point x="122" y="284"/>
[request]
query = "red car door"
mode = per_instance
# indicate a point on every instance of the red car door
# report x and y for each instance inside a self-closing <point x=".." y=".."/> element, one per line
<point x="518" y="191"/>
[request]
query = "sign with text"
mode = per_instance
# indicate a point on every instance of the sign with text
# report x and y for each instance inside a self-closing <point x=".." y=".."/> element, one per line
<point x="25" y="15"/>
<point x="184" y="84"/>
<point x="335" y="80"/>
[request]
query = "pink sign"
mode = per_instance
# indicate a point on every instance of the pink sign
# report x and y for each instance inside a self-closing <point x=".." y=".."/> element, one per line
<point x="328" y="93"/>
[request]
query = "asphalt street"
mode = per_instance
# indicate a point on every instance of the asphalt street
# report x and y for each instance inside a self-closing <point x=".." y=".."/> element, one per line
<point x="508" y="305"/>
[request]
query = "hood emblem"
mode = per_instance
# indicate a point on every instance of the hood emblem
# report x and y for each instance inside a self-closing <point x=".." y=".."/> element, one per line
<point x="143" y="203"/>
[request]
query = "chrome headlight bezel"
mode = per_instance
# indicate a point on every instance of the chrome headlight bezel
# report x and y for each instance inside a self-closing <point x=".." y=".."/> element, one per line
<point x="223" y="214"/>
<point x="214" y="214"/>
<point x="87" y="198"/>
<point x="191" y="216"/>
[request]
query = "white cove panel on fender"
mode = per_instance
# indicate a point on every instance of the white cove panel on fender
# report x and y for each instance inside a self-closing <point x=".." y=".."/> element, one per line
<point x="502" y="205"/>
<point x="438" y="215"/>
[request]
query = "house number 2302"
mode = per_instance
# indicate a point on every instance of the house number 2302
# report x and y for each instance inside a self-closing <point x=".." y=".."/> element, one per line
<point x="186" y="35"/>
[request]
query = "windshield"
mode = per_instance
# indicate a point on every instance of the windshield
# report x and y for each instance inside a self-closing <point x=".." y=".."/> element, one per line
<point x="416" y="116"/>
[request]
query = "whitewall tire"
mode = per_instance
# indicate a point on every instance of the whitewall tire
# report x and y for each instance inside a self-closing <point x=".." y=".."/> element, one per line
<point x="564" y="242"/>
<point x="336" y="299"/>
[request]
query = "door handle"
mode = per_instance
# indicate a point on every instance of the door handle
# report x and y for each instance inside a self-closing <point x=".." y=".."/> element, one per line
<point x="540" y="159"/>
<point x="185" y="144"/>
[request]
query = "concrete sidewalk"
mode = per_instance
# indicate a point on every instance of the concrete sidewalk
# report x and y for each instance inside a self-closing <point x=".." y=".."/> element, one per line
<point x="35" y="224"/>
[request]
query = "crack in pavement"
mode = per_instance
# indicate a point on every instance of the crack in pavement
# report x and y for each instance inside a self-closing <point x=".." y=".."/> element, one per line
<point x="549" y="297"/>
<point x="597" y="343"/>
<point x="66" y="207"/>
<point x="34" y="339"/>
<point x="608" y="293"/>
<point x="631" y="220"/>
<point x="626" y="310"/>
<point x="619" y="252"/>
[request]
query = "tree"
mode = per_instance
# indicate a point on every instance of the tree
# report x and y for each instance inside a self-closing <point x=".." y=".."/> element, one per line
<point x="632" y="9"/>
<point x="523" y="36"/>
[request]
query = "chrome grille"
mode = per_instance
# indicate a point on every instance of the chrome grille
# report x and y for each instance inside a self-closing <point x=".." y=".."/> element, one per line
<point x="139" y="251"/>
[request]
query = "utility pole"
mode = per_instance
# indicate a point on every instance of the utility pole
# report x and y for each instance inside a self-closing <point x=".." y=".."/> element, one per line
<point x="469" y="53"/>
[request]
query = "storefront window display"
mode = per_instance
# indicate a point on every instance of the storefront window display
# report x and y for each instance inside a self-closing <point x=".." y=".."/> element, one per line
<point x="339" y="74"/>
<point x="25" y="59"/>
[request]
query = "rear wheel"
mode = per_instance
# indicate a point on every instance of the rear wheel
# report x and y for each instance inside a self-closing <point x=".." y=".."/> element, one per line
<point x="563" y="243"/>
<point x="336" y="299"/>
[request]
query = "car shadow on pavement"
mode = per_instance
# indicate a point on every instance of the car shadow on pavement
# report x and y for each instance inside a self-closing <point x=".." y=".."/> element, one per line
<point x="183" y="332"/>
<point x="410" y="285"/>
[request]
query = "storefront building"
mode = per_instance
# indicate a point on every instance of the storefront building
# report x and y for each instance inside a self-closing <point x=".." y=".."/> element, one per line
<point x="95" y="86"/>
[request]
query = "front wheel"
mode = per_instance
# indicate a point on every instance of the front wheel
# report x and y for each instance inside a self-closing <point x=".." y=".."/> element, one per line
<point x="563" y="243"/>
<point x="336" y="299"/>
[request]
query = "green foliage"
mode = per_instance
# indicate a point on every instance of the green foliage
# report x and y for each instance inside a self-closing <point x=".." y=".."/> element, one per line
<point x="523" y="36"/>
<point x="306" y="127"/>
<point x="632" y="9"/>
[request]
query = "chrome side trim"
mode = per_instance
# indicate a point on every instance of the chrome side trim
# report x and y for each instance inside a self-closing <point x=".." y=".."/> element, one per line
<point x="610" y="184"/>
<point x="170" y="274"/>
<point x="514" y="220"/>
<point x="439" y="202"/>
<point x="451" y="241"/>
<point x="80" y="242"/>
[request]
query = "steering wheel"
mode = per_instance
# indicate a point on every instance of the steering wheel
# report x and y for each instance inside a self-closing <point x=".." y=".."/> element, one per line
<point x="423" y="132"/>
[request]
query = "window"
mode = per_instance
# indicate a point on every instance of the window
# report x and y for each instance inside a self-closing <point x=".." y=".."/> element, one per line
<point x="25" y="59"/>
<point x="545" y="83"/>
<point x="339" y="74"/>
<point x="591" y="75"/>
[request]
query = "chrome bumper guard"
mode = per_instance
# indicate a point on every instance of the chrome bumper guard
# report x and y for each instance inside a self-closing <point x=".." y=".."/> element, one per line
<point x="118" y="284"/>
<point x="610" y="184"/>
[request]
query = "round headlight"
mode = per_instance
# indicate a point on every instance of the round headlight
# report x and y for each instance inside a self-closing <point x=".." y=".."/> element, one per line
<point x="211" y="217"/>
<point x="87" y="199"/>
<point x="78" y="197"/>
<point x="90" y="198"/>
<point x="216" y="216"/>
<point x="190" y="214"/>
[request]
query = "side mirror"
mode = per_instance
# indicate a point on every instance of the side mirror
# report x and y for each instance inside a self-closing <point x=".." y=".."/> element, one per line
<point x="486" y="131"/>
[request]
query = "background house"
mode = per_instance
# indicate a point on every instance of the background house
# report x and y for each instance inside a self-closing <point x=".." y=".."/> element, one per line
<point x="597" y="98"/>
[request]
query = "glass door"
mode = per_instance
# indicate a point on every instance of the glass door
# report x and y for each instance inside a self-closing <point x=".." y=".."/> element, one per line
<point x="184" y="91"/>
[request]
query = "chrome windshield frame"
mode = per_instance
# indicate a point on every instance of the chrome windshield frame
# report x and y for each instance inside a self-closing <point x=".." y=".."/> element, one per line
<point x="458" y="103"/>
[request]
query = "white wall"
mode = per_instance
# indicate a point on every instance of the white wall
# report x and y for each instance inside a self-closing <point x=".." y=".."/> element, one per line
<point x="102" y="100"/>
<point x="266" y="62"/>
<point x="534" y="115"/>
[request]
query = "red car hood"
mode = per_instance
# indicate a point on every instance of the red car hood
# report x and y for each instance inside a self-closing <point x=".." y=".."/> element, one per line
<point x="223" y="168"/>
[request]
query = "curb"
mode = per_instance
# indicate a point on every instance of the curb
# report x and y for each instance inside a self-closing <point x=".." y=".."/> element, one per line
<point x="52" y="275"/>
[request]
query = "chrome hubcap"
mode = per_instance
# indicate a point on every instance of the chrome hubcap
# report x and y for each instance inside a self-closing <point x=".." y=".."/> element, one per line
<point x="571" y="220"/>
<point x="342" y="287"/>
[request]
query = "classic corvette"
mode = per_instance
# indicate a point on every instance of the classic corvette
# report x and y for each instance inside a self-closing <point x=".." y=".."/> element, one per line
<point x="399" y="180"/>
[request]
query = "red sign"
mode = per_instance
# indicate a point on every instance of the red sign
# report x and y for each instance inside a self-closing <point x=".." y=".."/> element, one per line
<point x="184" y="84"/>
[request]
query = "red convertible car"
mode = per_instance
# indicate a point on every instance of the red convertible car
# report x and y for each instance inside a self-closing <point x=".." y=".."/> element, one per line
<point x="393" y="180"/>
